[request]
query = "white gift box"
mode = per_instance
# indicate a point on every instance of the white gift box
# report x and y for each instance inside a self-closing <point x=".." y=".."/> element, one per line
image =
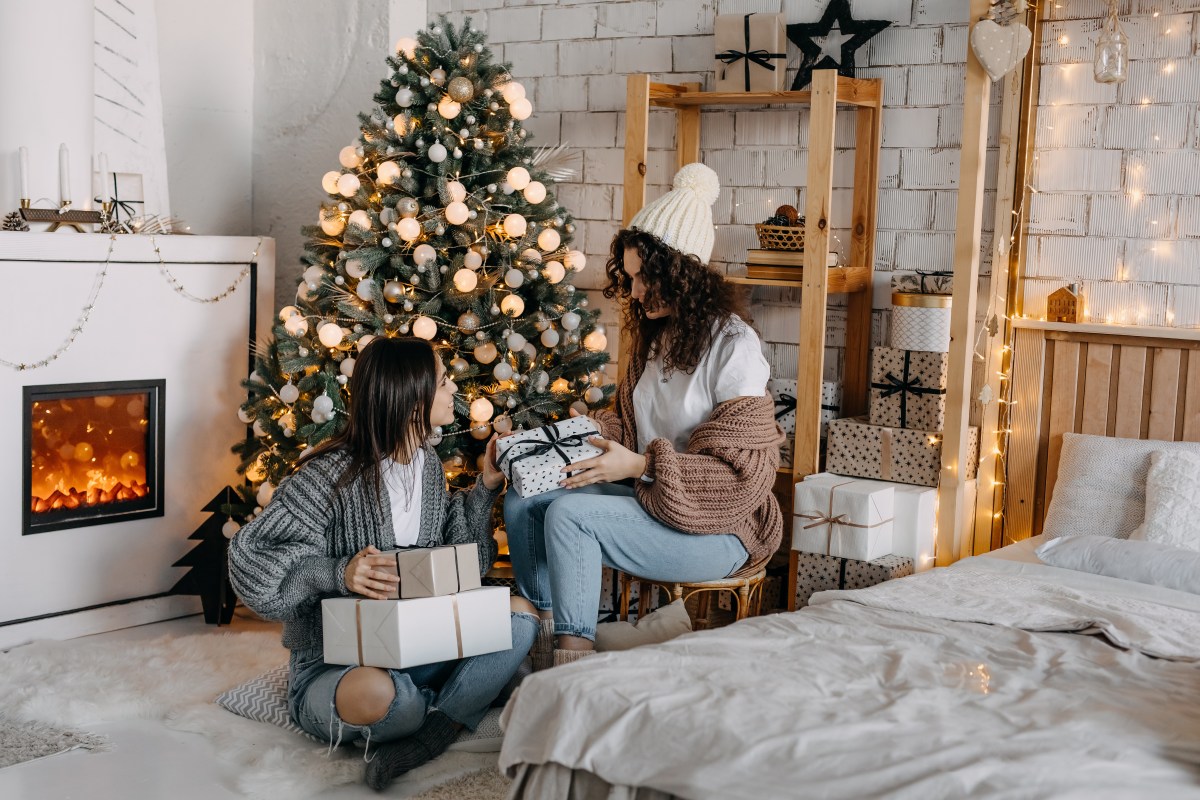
<point x="921" y="322"/>
<point x="843" y="517"/>
<point x="397" y="634"/>
<point x="533" y="460"/>
<point x="914" y="522"/>
<point x="434" y="571"/>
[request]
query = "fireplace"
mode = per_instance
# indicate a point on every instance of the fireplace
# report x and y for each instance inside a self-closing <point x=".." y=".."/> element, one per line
<point x="93" y="454"/>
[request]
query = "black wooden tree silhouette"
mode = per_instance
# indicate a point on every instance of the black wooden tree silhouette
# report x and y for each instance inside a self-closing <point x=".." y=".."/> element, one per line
<point x="209" y="573"/>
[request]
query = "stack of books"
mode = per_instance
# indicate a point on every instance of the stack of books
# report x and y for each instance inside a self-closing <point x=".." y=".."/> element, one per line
<point x="778" y="264"/>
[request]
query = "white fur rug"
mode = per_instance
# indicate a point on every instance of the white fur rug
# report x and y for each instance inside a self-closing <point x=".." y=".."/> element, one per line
<point x="77" y="684"/>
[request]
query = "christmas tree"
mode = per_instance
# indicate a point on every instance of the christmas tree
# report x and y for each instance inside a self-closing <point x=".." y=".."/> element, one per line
<point x="209" y="573"/>
<point x="440" y="224"/>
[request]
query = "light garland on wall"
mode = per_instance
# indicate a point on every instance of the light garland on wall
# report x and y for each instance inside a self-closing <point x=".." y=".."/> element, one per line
<point x="182" y="291"/>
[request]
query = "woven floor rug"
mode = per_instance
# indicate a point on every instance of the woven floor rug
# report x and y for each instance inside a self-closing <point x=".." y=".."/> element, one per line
<point x="71" y="686"/>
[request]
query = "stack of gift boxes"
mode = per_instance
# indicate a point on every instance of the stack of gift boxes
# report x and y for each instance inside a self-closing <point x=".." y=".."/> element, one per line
<point x="439" y="612"/>
<point x="872" y="515"/>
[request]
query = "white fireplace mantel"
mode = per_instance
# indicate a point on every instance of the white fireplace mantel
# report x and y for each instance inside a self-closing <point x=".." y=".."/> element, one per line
<point x="81" y="580"/>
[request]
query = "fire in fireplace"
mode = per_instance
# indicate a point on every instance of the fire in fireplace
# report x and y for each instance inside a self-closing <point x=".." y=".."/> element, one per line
<point x="94" y="453"/>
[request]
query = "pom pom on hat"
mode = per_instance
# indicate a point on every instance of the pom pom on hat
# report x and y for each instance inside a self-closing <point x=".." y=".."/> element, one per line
<point x="682" y="218"/>
<point x="700" y="179"/>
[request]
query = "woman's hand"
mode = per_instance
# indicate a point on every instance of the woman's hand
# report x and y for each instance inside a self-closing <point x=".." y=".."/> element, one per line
<point x="493" y="478"/>
<point x="616" y="464"/>
<point x="363" y="577"/>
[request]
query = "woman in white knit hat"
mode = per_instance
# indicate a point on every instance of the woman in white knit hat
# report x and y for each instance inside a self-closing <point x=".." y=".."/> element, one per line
<point x="683" y="490"/>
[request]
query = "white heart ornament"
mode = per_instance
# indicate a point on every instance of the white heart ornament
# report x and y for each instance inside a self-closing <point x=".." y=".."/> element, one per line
<point x="1000" y="48"/>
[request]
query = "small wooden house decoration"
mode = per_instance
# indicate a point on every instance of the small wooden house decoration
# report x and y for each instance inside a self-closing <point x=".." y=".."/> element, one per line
<point x="1065" y="304"/>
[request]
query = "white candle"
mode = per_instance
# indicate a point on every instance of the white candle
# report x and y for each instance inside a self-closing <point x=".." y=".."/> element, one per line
<point x="24" y="172"/>
<point x="64" y="174"/>
<point x="104" y="195"/>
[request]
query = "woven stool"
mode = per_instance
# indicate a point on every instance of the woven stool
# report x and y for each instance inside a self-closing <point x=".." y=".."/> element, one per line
<point x="745" y="587"/>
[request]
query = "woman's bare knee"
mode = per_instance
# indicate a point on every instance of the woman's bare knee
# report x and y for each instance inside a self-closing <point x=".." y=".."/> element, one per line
<point x="364" y="695"/>
<point x="522" y="606"/>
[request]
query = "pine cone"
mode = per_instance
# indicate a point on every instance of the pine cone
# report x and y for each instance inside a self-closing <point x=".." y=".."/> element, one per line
<point x="14" y="222"/>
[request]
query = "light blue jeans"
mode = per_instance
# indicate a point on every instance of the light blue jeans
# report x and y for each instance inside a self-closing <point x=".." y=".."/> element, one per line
<point x="463" y="690"/>
<point x="558" y="542"/>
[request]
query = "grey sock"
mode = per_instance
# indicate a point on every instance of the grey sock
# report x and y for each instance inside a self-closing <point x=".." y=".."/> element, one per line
<point x="396" y="758"/>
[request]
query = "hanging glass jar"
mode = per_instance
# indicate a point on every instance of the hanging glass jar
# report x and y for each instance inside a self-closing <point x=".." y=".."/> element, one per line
<point x="1112" y="50"/>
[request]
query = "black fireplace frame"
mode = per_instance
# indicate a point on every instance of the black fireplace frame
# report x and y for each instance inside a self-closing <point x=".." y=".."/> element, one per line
<point x="152" y="505"/>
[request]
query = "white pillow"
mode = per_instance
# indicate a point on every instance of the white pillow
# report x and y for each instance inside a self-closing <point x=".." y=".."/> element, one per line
<point x="1172" y="500"/>
<point x="1101" y="485"/>
<point x="1143" y="562"/>
<point x="658" y="626"/>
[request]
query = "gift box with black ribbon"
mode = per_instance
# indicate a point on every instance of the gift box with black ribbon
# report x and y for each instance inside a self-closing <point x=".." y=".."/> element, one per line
<point x="533" y="460"/>
<point x="818" y="573"/>
<point x="922" y="282"/>
<point x="751" y="53"/>
<point x="860" y="450"/>
<point x="908" y="388"/>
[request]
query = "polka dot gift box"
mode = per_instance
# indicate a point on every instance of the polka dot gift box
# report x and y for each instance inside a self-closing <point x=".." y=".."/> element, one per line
<point x="861" y="450"/>
<point x="533" y="460"/>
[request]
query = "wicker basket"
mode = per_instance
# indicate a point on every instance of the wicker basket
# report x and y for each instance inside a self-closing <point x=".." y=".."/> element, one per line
<point x="780" y="237"/>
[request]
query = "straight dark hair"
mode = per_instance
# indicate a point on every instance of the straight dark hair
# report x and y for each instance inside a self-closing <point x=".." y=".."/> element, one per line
<point x="391" y="395"/>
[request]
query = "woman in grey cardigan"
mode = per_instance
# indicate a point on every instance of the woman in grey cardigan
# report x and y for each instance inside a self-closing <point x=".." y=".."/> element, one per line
<point x="376" y="486"/>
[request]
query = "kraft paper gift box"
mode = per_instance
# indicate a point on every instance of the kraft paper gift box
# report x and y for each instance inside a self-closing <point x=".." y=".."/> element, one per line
<point x="783" y="391"/>
<point x="751" y="53"/>
<point x="398" y="634"/>
<point x="914" y="520"/>
<point x="818" y="573"/>
<point x="842" y="517"/>
<point x="861" y="450"/>
<point x="533" y="460"/>
<point x="933" y="282"/>
<point x="908" y="388"/>
<point x="434" y="571"/>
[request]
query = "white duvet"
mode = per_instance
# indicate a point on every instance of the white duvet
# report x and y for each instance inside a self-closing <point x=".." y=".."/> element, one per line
<point x="990" y="678"/>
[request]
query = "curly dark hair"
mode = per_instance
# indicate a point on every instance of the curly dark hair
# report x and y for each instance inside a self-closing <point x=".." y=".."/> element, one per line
<point x="699" y="299"/>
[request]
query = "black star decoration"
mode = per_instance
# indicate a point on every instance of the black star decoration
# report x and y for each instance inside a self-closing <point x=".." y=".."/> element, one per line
<point x="852" y="34"/>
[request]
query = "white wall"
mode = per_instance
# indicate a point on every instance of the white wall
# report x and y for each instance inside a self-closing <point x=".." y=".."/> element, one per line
<point x="206" y="63"/>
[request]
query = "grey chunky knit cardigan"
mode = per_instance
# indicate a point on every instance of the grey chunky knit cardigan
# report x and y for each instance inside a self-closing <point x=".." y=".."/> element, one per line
<point x="294" y="554"/>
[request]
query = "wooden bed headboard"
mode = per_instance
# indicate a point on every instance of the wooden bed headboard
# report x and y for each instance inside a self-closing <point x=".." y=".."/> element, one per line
<point x="1135" y="383"/>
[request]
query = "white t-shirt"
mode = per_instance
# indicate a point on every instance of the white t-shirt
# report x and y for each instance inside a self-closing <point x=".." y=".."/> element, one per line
<point x="671" y="408"/>
<point x="404" y="485"/>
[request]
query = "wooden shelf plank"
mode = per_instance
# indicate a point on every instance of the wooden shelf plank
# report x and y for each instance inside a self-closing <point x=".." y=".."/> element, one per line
<point x="1097" y="328"/>
<point x="851" y="91"/>
<point x="842" y="280"/>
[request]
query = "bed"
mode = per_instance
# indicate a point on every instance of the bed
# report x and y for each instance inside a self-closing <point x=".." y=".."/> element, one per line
<point x="999" y="676"/>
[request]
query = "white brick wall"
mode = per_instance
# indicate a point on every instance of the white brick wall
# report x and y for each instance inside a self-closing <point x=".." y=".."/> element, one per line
<point x="1118" y="167"/>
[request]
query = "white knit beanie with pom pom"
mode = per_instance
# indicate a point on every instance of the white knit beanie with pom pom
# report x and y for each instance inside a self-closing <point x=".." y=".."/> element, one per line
<point x="682" y="218"/>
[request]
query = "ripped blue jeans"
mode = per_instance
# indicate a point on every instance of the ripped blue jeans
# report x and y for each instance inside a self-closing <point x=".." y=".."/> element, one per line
<point x="462" y="689"/>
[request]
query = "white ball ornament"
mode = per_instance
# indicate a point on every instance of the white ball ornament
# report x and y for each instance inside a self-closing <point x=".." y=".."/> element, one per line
<point x="503" y="371"/>
<point x="481" y="409"/>
<point x="580" y="408"/>
<point x="388" y="172"/>
<point x="457" y="153"/>
<point x="362" y="219"/>
<point x="329" y="181"/>
<point x="348" y="157"/>
<point x="457" y="191"/>
<point x="257" y="428"/>
<point x="472" y="259"/>
<point x="404" y="99"/>
<point x="243" y="417"/>
<point x="554" y="272"/>
<point x="342" y="380"/>
<point x="424" y="328"/>
<point x="313" y="274"/>
<point x="514" y="278"/>
<point x="593" y="395"/>
<point x="400" y="122"/>
<point x="355" y="268"/>
<point x="365" y="340"/>
<point x="287" y="311"/>
<point x="393" y="291"/>
<point x="549" y="239"/>
<point x="346" y="367"/>
<point x="424" y="254"/>
<point x="465" y="280"/>
<point x="481" y="432"/>
<point x="503" y="424"/>
<point x="348" y="185"/>
<point x="288" y="423"/>
<point x="437" y="152"/>
<point x="486" y="353"/>
<point x="512" y="92"/>
<point x="365" y="289"/>
<point x="449" y="108"/>
<point x="408" y="229"/>
<point x="515" y="225"/>
<point x="522" y="109"/>
<point x="230" y="528"/>
<point x="515" y="342"/>
<point x="288" y="393"/>
<point x="535" y="192"/>
<point x="513" y="305"/>
<point x="532" y="256"/>
<point x="457" y="213"/>
<point x="332" y="224"/>
<point x="530" y="351"/>
<point x="330" y="334"/>
<point x="518" y="178"/>
<point x="263" y="495"/>
<point x="549" y="337"/>
<point x="438" y="76"/>
<point x="595" y="341"/>
<point x="323" y="404"/>
<point x="570" y="321"/>
<point x="575" y="260"/>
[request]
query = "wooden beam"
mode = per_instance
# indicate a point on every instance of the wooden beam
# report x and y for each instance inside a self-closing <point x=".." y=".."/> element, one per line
<point x="687" y="131"/>
<point x="637" y="124"/>
<point x="868" y="138"/>
<point x="817" y="210"/>
<point x="955" y="520"/>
